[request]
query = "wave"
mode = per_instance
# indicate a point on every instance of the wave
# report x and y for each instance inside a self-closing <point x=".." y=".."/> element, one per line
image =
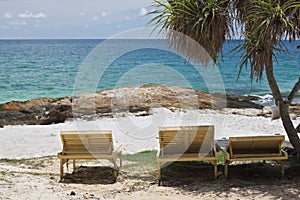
<point x="265" y="100"/>
<point x="268" y="99"/>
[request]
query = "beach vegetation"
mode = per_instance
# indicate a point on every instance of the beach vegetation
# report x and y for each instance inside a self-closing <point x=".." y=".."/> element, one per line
<point x="142" y="158"/>
<point x="3" y="173"/>
<point x="25" y="162"/>
<point x="221" y="159"/>
<point x="16" y="161"/>
<point x="261" y="24"/>
<point x="3" y="179"/>
<point x="140" y="163"/>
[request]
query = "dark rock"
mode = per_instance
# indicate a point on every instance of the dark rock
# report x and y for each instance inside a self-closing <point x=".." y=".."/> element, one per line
<point x="72" y="193"/>
<point x="16" y="118"/>
<point x="34" y="109"/>
<point x="104" y="110"/>
<point x="234" y="101"/>
<point x="135" y="109"/>
<point x="53" y="117"/>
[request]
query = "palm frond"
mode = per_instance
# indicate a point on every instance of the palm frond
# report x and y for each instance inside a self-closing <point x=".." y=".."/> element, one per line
<point x="266" y="24"/>
<point x="206" y="21"/>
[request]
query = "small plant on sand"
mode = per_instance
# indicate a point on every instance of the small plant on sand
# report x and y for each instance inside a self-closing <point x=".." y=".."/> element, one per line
<point x="4" y="174"/>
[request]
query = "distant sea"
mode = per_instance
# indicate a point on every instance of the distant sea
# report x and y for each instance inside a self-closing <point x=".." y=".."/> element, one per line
<point x="48" y="68"/>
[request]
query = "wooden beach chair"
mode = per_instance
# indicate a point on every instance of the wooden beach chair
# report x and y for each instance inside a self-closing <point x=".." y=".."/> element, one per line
<point x="186" y="143"/>
<point x="88" y="145"/>
<point x="255" y="148"/>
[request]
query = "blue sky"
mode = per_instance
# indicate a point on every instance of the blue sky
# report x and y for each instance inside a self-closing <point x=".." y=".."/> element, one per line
<point x="70" y="18"/>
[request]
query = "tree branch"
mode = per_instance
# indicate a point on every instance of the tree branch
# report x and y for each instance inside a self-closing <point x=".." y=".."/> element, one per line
<point x="293" y="93"/>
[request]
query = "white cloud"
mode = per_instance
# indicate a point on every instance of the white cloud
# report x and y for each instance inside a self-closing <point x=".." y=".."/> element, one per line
<point x="143" y="12"/>
<point x="28" y="14"/>
<point x="103" y="14"/>
<point x="39" y="15"/>
<point x="8" y="15"/>
<point x="18" y="23"/>
<point x="66" y="20"/>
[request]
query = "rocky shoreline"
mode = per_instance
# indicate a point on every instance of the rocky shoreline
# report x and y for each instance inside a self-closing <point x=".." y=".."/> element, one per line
<point x="137" y="100"/>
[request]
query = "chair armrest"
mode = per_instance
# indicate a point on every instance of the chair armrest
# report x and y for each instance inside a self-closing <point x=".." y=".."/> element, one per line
<point x="118" y="148"/>
<point x="284" y="153"/>
<point x="118" y="151"/>
<point x="159" y="153"/>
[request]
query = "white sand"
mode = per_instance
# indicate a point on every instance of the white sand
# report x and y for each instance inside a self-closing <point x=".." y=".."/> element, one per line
<point x="134" y="133"/>
<point x="40" y="179"/>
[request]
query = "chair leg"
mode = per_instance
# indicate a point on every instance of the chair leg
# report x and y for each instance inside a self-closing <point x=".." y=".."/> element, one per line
<point x="215" y="170"/>
<point x="115" y="174"/>
<point x="61" y="168"/>
<point x="159" y="173"/>
<point x="74" y="165"/>
<point x="121" y="158"/>
<point x="281" y="163"/>
<point x="226" y="169"/>
<point x="282" y="168"/>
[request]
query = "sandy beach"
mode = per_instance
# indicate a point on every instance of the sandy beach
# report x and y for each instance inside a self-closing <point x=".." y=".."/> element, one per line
<point x="35" y="173"/>
<point x="135" y="133"/>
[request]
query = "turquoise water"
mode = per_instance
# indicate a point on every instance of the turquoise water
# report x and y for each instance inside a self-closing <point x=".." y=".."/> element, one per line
<point x="48" y="68"/>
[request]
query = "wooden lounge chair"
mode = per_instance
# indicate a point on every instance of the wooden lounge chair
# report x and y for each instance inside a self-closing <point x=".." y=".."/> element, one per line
<point x="255" y="148"/>
<point x="186" y="143"/>
<point x="88" y="145"/>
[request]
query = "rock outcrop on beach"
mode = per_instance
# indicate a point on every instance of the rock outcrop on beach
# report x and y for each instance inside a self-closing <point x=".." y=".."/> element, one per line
<point x="36" y="111"/>
<point x="137" y="100"/>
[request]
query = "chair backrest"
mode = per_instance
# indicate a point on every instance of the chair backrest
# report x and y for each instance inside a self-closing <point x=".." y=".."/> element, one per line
<point x="186" y="139"/>
<point x="264" y="145"/>
<point x="94" y="141"/>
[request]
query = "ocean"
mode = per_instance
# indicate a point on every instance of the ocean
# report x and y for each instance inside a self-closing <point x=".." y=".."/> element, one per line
<point x="49" y="68"/>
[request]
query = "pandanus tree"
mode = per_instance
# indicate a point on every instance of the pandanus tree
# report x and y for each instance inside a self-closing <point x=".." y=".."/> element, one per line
<point x="262" y="24"/>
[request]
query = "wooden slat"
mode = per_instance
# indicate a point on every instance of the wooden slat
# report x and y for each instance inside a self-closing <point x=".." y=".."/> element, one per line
<point x="186" y="143"/>
<point x="255" y="145"/>
<point x="88" y="144"/>
<point x="186" y="158"/>
<point x="188" y="139"/>
<point x="92" y="141"/>
<point x="75" y="135"/>
<point x="84" y="156"/>
<point x="87" y="141"/>
<point x="257" y="155"/>
<point x="257" y="158"/>
<point x="255" y="148"/>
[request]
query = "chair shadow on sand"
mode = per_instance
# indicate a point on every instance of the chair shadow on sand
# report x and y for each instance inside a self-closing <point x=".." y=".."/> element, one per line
<point x="90" y="175"/>
<point x="261" y="178"/>
<point x="258" y="173"/>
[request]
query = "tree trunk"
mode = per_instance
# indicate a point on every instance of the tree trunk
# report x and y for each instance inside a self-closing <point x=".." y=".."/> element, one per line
<point x="283" y="107"/>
